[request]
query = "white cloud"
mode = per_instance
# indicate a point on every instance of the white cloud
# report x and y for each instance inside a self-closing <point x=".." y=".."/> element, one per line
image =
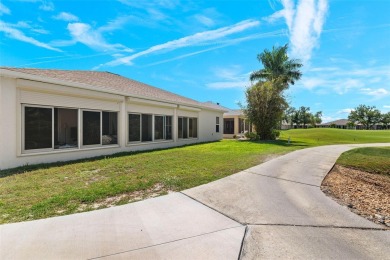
<point x="228" y="85"/>
<point x="386" y="106"/>
<point x="4" y="9"/>
<point x="377" y="93"/>
<point x="46" y="6"/>
<point x="305" y="21"/>
<point x="83" y="33"/>
<point x="207" y="37"/>
<point x="67" y="17"/>
<point x="345" y="111"/>
<point x="19" y="35"/>
<point x="167" y="4"/>
<point x="206" y="21"/>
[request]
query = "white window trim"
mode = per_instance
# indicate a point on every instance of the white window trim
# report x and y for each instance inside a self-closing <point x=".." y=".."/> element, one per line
<point x="218" y="124"/>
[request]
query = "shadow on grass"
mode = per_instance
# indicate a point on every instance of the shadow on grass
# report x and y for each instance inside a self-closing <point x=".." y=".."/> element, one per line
<point x="284" y="143"/>
<point x="29" y="168"/>
<point x="33" y="167"/>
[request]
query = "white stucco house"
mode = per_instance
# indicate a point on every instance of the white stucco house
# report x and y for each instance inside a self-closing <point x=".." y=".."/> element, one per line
<point x="59" y="115"/>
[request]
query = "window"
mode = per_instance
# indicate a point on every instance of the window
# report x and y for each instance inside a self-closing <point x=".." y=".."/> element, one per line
<point x="134" y="127"/>
<point x="228" y="126"/>
<point x="193" y="128"/>
<point x="91" y="127"/>
<point x="58" y="128"/>
<point x="110" y="128"/>
<point x="158" y="127"/>
<point x="168" y="128"/>
<point x="241" y="125"/>
<point x="142" y="129"/>
<point x="147" y="129"/>
<point x="187" y="127"/>
<point x="180" y="127"/>
<point x="65" y="128"/>
<point x="217" y="124"/>
<point x="38" y="128"/>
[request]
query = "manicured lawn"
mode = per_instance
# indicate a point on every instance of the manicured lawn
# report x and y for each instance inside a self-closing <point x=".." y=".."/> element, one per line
<point x="324" y="136"/>
<point x="41" y="191"/>
<point x="370" y="159"/>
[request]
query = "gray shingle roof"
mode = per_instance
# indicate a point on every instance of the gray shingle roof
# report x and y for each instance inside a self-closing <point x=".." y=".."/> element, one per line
<point x="337" y="122"/>
<point x="110" y="82"/>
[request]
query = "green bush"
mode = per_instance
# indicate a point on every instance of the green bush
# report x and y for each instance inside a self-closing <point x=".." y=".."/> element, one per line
<point x="253" y="136"/>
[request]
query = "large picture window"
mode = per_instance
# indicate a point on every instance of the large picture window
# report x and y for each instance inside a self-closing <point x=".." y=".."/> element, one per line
<point x="65" y="128"/>
<point x="91" y="128"/>
<point x="55" y="128"/>
<point x="38" y="128"/>
<point x="187" y="127"/>
<point x="147" y="128"/>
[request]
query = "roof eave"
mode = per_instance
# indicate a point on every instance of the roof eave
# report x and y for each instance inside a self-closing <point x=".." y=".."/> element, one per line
<point x="28" y="76"/>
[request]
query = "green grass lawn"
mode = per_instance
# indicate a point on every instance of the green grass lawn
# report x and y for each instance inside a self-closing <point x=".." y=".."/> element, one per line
<point x="369" y="159"/>
<point x="41" y="191"/>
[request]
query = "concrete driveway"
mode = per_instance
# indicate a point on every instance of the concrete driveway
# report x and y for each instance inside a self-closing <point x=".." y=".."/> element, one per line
<point x="273" y="210"/>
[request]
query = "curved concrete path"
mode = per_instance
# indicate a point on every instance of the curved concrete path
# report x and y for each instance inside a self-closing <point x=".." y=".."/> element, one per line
<point x="273" y="210"/>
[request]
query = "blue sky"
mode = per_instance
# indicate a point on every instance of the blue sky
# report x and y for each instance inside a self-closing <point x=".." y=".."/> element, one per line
<point x="206" y="50"/>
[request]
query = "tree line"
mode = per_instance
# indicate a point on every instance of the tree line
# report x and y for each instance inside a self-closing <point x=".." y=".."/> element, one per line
<point x="302" y="117"/>
<point x="368" y="116"/>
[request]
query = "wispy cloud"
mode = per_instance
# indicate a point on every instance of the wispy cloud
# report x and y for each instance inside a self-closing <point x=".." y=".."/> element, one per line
<point x="202" y="38"/>
<point x="229" y="77"/>
<point x="206" y="21"/>
<point x="345" y="111"/>
<point x="305" y="21"/>
<point x="373" y="81"/>
<point x="67" y="17"/>
<point x="46" y="5"/>
<point x="19" y="35"/>
<point x="4" y="9"/>
<point x="376" y="93"/>
<point x="94" y="38"/>
<point x="167" y="4"/>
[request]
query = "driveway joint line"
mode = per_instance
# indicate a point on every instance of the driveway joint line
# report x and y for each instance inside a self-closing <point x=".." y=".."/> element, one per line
<point x="242" y="243"/>
<point x="308" y="184"/>
<point x="319" y="226"/>
<point x="163" y="243"/>
<point x="220" y="212"/>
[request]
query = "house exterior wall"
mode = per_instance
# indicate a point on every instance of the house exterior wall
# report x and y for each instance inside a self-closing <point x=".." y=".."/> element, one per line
<point x="16" y="92"/>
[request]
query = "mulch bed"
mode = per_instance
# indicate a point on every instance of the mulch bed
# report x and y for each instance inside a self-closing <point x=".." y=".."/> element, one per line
<point x="364" y="193"/>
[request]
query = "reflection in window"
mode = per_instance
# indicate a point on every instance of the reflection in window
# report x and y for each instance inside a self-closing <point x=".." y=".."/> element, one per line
<point x="158" y="127"/>
<point x="168" y="128"/>
<point x="37" y="128"/>
<point x="65" y="128"/>
<point x="147" y="129"/>
<point x="91" y="128"/>
<point x="110" y="128"/>
<point x="134" y="127"/>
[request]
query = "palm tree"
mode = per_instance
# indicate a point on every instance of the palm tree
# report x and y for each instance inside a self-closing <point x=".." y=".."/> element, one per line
<point x="277" y="65"/>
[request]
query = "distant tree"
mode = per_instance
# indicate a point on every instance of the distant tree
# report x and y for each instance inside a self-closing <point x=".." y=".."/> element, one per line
<point x="385" y="119"/>
<point x="305" y="115"/>
<point x="265" y="107"/>
<point x="278" y="66"/>
<point x="316" y="118"/>
<point x="365" y="115"/>
<point x="296" y="119"/>
<point x="289" y="116"/>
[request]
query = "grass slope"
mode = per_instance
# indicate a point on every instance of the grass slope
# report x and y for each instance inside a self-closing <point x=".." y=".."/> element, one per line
<point x="41" y="191"/>
<point x="369" y="159"/>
